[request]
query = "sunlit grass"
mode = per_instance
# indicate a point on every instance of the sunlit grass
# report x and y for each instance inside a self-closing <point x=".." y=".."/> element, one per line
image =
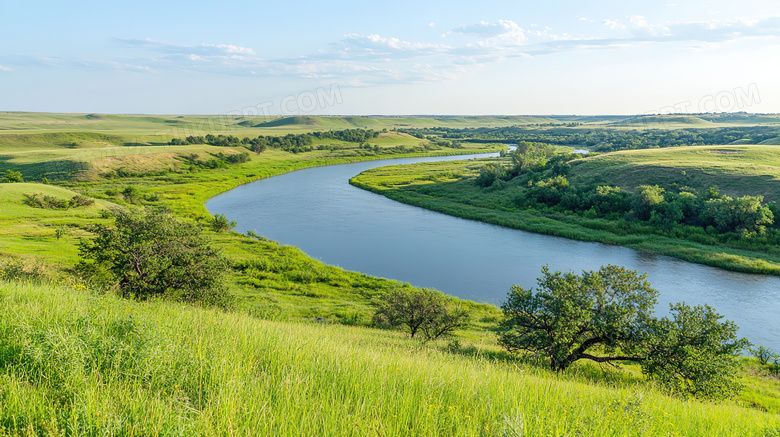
<point x="77" y="363"/>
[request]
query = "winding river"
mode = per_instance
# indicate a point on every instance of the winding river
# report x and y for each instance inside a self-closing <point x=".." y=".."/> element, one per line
<point x="318" y="211"/>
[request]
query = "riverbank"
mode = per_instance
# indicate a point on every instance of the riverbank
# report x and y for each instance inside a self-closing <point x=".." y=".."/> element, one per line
<point x="269" y="279"/>
<point x="449" y="188"/>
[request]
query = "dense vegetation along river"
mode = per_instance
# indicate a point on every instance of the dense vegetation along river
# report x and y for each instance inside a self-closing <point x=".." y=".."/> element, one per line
<point x="318" y="211"/>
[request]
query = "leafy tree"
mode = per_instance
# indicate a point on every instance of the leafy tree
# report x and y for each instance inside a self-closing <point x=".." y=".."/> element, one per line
<point x="13" y="176"/>
<point x="605" y="316"/>
<point x="763" y="353"/>
<point x="489" y="174"/>
<point x="648" y="198"/>
<point x="427" y="311"/>
<point x="151" y="254"/>
<point x="570" y="315"/>
<point x="693" y="352"/>
<point x="130" y="193"/>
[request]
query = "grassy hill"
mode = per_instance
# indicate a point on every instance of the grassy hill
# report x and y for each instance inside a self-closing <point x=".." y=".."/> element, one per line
<point x="736" y="170"/>
<point x="76" y="363"/>
<point x="30" y="232"/>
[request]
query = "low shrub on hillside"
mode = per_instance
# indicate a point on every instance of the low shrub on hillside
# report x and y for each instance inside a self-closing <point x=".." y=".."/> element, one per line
<point x="45" y="201"/>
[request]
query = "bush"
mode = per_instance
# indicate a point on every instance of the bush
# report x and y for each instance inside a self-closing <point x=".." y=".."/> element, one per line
<point x="151" y="254"/>
<point x="19" y="270"/>
<point x="50" y="202"/>
<point x="764" y="354"/>
<point x="13" y="176"/>
<point x="220" y="223"/>
<point x="427" y="311"/>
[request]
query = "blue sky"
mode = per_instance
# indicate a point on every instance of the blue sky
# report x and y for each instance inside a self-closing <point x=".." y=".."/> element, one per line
<point x="403" y="57"/>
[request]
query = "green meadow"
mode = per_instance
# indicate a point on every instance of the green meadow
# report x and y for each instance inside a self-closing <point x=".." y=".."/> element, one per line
<point x="77" y="361"/>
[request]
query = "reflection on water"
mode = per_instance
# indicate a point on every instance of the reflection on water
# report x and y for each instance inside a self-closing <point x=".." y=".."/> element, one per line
<point x="318" y="211"/>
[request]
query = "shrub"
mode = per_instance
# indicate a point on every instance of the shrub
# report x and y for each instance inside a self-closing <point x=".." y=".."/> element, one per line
<point x="13" y="176"/>
<point x="151" y="254"/>
<point x="427" y="311"/>
<point x="220" y="223"/>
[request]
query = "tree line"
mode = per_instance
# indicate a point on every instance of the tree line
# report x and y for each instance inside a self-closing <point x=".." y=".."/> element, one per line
<point x="540" y="178"/>
<point x="294" y="143"/>
<point x="602" y="140"/>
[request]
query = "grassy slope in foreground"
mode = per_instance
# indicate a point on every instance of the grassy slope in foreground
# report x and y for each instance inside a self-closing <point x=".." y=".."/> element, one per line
<point x="449" y="188"/>
<point x="83" y="364"/>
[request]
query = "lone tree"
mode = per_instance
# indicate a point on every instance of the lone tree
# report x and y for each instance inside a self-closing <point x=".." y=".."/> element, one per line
<point x="569" y="315"/>
<point x="150" y="254"/>
<point x="426" y="311"/>
<point x="606" y="316"/>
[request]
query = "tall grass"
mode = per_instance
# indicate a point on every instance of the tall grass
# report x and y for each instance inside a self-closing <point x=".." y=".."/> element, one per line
<point x="74" y="363"/>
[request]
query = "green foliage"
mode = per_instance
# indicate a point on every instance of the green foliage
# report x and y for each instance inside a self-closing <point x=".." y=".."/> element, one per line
<point x="45" y="201"/>
<point x="131" y="194"/>
<point x="220" y="223"/>
<point x="693" y="352"/>
<point x="13" y="176"/>
<point x="606" y="140"/>
<point x="61" y="231"/>
<point x="151" y="254"/>
<point x="609" y="312"/>
<point x="490" y="173"/>
<point x="570" y="315"/>
<point x="427" y="311"/>
<point x="763" y="354"/>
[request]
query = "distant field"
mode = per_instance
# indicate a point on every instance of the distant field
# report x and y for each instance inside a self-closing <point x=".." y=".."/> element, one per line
<point x="163" y="127"/>
<point x="85" y="155"/>
<point x="147" y="129"/>
<point x="735" y="170"/>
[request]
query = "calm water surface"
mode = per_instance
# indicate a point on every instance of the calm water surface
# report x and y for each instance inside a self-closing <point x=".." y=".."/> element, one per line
<point x="318" y="211"/>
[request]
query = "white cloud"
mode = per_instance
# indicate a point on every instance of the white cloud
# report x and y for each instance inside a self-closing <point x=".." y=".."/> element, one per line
<point x="614" y="24"/>
<point x="4" y="68"/>
<point x="380" y="44"/>
<point x="502" y="28"/>
<point x="229" y="48"/>
<point x="641" y="28"/>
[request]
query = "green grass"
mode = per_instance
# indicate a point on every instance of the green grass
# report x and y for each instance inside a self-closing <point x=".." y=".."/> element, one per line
<point x="270" y="279"/>
<point x="735" y="170"/>
<point x="75" y="363"/>
<point x="29" y="232"/>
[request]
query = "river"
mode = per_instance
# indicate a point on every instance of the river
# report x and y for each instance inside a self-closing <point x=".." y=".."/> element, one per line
<point x="318" y="211"/>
